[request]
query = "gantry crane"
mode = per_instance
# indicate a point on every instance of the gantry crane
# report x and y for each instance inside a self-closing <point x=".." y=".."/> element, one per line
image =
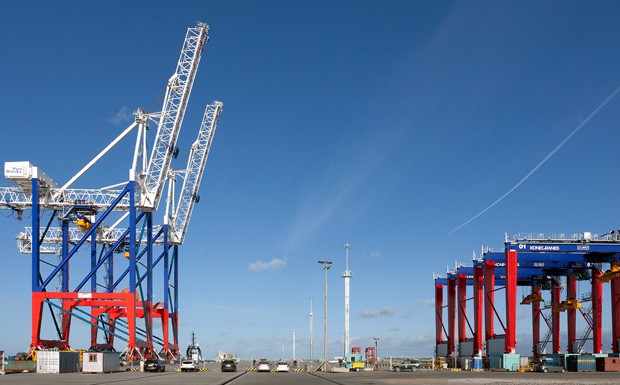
<point x="83" y="212"/>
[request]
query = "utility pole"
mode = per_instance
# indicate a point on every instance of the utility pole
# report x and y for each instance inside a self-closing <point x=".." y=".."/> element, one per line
<point x="324" y="366"/>
<point x="310" y="316"/>
<point x="347" y="277"/>
<point x="376" y="350"/>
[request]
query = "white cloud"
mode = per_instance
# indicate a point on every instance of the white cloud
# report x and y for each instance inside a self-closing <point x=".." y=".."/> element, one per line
<point x="123" y="115"/>
<point x="375" y="253"/>
<point x="274" y="264"/>
<point x="427" y="301"/>
<point x="387" y="311"/>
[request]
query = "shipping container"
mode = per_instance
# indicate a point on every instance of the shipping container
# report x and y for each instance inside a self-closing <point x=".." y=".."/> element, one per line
<point x="55" y="361"/>
<point x="581" y="363"/>
<point x="558" y="358"/>
<point x="608" y="364"/>
<point x="511" y="362"/>
<point x="100" y="362"/>
<point x="495" y="361"/>
<point x="476" y="363"/>
<point x="465" y="363"/>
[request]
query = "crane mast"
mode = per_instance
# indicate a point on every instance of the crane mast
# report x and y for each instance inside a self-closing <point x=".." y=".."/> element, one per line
<point x="175" y="101"/>
<point x="193" y="173"/>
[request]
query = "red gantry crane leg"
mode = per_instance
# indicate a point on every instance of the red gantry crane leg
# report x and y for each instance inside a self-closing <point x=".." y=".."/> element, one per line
<point x="462" y="308"/>
<point x="489" y="299"/>
<point x="555" y="315"/>
<point x="571" y="314"/>
<point x="478" y="297"/>
<point x="511" y="301"/>
<point x="438" y="314"/>
<point x="451" y="314"/>
<point x="597" y="312"/>
<point x="535" y="322"/>
<point x="615" y="312"/>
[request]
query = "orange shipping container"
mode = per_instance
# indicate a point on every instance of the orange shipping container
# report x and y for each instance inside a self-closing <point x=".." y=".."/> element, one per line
<point x="608" y="364"/>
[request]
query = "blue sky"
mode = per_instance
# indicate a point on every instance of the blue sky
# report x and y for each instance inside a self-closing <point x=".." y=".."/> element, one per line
<point x="381" y="124"/>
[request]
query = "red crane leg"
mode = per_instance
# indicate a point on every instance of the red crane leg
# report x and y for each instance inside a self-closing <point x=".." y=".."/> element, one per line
<point x="37" y="316"/>
<point x="597" y="312"/>
<point x="511" y="301"/>
<point x="555" y="316"/>
<point x="535" y="322"/>
<point x="571" y="314"/>
<point x="438" y="314"/>
<point x="462" y="307"/>
<point x="489" y="299"/>
<point x="451" y="315"/>
<point x="478" y="297"/>
<point x="615" y="313"/>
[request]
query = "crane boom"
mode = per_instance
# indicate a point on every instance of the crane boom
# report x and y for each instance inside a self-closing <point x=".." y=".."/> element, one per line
<point x="175" y="101"/>
<point x="193" y="173"/>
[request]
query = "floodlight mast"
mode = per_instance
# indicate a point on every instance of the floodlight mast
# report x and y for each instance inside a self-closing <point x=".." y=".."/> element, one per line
<point x="324" y="365"/>
<point x="347" y="279"/>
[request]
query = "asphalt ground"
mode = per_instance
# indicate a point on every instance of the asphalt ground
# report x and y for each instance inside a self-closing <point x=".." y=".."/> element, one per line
<point x="215" y="377"/>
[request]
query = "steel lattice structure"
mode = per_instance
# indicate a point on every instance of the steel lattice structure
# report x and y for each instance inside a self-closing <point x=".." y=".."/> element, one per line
<point x="114" y="225"/>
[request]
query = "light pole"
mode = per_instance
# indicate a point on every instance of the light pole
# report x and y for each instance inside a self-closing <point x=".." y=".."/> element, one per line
<point x="324" y="365"/>
<point x="311" y="315"/>
<point x="376" y="349"/>
<point x="347" y="277"/>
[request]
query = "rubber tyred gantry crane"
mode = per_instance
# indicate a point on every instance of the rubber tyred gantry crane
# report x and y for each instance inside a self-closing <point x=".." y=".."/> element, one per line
<point x="539" y="261"/>
<point x="116" y="300"/>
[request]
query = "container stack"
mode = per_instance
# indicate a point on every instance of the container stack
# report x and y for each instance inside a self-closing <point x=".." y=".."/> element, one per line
<point x="55" y="361"/>
<point x="581" y="363"/>
<point x="608" y="364"/>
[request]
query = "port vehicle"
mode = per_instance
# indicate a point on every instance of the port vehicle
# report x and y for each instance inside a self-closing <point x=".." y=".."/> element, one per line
<point x="410" y="364"/>
<point x="154" y="365"/>
<point x="189" y="366"/>
<point x="228" y="366"/>
<point x="550" y="366"/>
<point x="354" y="362"/>
<point x="282" y="367"/>
<point x="263" y="366"/>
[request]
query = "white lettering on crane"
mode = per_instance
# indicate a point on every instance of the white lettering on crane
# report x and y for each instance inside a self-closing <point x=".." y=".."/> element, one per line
<point x="544" y="248"/>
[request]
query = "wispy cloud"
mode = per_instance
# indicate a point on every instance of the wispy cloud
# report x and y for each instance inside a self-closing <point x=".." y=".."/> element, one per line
<point x="274" y="264"/>
<point x="387" y="311"/>
<point x="375" y="253"/>
<point x="427" y="301"/>
<point x="124" y="115"/>
<point x="347" y="172"/>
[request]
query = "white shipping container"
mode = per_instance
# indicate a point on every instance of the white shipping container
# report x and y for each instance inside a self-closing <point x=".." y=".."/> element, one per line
<point x="100" y="362"/>
<point x="54" y="361"/>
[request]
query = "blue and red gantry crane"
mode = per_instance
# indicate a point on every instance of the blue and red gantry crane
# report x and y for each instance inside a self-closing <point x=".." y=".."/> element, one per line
<point x="539" y="262"/>
<point x="114" y="291"/>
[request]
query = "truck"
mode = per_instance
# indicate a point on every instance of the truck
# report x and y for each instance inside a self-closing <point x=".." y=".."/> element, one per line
<point x="354" y="362"/>
<point x="408" y="364"/>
